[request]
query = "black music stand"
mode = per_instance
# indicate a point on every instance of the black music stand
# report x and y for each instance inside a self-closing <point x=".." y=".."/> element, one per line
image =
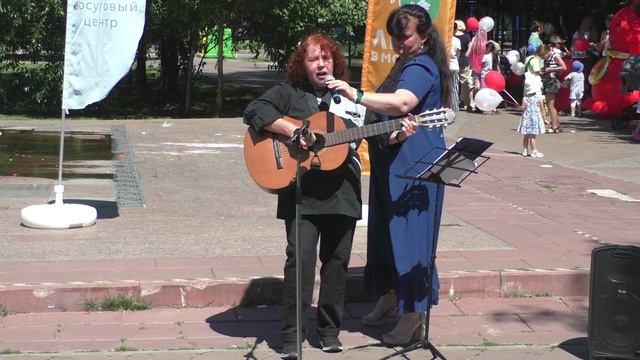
<point x="450" y="168"/>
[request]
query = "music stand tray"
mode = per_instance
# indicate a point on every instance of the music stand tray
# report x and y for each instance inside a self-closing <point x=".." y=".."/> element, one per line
<point x="450" y="168"/>
<point x="453" y="165"/>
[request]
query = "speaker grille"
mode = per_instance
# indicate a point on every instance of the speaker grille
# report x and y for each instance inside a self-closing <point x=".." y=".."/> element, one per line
<point x="614" y="302"/>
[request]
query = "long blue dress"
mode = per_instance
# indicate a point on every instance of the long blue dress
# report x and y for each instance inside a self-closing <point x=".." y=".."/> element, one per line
<point x="404" y="215"/>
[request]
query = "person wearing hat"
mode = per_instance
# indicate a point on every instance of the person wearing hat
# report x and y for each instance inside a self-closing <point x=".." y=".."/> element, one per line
<point x="533" y="118"/>
<point x="464" y="73"/>
<point x="575" y="81"/>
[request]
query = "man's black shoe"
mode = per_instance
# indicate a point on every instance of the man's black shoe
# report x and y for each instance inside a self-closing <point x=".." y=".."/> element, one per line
<point x="331" y="344"/>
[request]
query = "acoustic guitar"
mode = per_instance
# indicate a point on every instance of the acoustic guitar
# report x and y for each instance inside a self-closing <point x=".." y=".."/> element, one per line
<point x="271" y="161"/>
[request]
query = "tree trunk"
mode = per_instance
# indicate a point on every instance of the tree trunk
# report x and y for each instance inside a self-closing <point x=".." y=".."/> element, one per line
<point x="193" y="43"/>
<point x="187" y="86"/>
<point x="141" y="63"/>
<point x="169" y="71"/>
<point x="220" y="70"/>
<point x="141" y="58"/>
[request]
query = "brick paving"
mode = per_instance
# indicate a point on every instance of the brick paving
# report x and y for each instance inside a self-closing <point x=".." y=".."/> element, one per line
<point x="462" y="323"/>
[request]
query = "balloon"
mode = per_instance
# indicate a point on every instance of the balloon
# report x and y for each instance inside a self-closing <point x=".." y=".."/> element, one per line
<point x="512" y="59"/>
<point x="487" y="99"/>
<point x="518" y="68"/>
<point x="486" y="24"/>
<point x="587" y="103"/>
<point x="515" y="53"/>
<point x="494" y="80"/>
<point x="581" y="44"/>
<point x="472" y="24"/>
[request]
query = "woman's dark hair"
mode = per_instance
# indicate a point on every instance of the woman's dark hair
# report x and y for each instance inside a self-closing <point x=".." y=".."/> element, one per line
<point x="396" y="24"/>
<point x="536" y="25"/>
<point x="296" y="74"/>
<point x="491" y="47"/>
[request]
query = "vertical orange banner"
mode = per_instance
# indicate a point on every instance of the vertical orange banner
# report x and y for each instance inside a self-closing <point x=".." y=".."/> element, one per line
<point x="378" y="53"/>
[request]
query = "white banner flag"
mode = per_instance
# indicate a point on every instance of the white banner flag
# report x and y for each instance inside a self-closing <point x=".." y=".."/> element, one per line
<point x="101" y="43"/>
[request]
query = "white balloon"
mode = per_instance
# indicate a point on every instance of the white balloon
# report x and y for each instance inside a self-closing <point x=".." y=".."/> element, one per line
<point x="518" y="68"/>
<point x="487" y="99"/>
<point x="515" y="53"/>
<point x="486" y="24"/>
<point x="512" y="59"/>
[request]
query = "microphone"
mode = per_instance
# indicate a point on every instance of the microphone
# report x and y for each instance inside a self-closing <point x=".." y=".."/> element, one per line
<point x="334" y="95"/>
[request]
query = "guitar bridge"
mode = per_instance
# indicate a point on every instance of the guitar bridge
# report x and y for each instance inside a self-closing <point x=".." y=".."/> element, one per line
<point x="277" y="154"/>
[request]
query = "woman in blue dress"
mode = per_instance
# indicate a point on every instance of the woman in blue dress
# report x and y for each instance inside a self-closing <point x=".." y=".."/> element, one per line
<point x="404" y="215"/>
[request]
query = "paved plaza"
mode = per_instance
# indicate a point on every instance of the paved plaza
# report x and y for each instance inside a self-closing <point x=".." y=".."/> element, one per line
<point x="514" y="250"/>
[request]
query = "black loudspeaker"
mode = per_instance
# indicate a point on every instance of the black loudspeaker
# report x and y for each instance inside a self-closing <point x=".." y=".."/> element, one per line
<point x="614" y="303"/>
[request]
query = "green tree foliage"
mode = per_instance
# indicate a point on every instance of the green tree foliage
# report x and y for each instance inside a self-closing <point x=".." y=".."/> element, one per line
<point x="32" y="39"/>
<point x="175" y="27"/>
<point x="280" y="24"/>
<point x="32" y="32"/>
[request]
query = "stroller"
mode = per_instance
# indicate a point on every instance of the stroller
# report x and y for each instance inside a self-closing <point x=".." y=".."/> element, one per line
<point x="630" y="75"/>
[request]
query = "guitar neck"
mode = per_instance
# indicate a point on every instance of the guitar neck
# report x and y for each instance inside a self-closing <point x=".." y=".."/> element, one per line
<point x="357" y="133"/>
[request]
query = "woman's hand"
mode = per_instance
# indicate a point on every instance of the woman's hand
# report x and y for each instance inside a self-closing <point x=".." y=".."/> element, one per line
<point x="397" y="103"/>
<point x="288" y="129"/>
<point x="408" y="129"/>
<point x="343" y="88"/>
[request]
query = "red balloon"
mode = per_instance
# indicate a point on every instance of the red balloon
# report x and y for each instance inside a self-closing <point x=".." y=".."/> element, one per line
<point x="472" y="24"/>
<point x="587" y="104"/>
<point x="581" y="44"/>
<point x="494" y="80"/>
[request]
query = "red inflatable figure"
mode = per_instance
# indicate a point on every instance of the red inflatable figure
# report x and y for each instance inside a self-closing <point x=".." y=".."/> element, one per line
<point x="624" y="37"/>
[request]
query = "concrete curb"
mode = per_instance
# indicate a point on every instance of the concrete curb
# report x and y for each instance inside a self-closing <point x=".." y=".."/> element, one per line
<point x="180" y="293"/>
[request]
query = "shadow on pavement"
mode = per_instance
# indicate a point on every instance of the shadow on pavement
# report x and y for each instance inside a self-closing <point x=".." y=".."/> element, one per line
<point x="577" y="347"/>
<point x="258" y="316"/>
<point x="598" y="124"/>
<point x="104" y="209"/>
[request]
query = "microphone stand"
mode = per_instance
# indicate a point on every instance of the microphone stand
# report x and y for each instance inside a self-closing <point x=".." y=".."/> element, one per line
<point x="298" y="134"/>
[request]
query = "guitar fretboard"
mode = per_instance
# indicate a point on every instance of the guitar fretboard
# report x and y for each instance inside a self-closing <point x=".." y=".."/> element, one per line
<point x="356" y="133"/>
<point x="434" y="119"/>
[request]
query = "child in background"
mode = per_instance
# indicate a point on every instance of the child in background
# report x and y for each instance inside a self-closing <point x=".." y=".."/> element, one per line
<point x="475" y="53"/>
<point x="533" y="65"/>
<point x="575" y="80"/>
<point x="533" y="118"/>
<point x="489" y="62"/>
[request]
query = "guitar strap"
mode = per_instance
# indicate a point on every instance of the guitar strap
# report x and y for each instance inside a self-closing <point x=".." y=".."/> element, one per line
<point x="312" y="101"/>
